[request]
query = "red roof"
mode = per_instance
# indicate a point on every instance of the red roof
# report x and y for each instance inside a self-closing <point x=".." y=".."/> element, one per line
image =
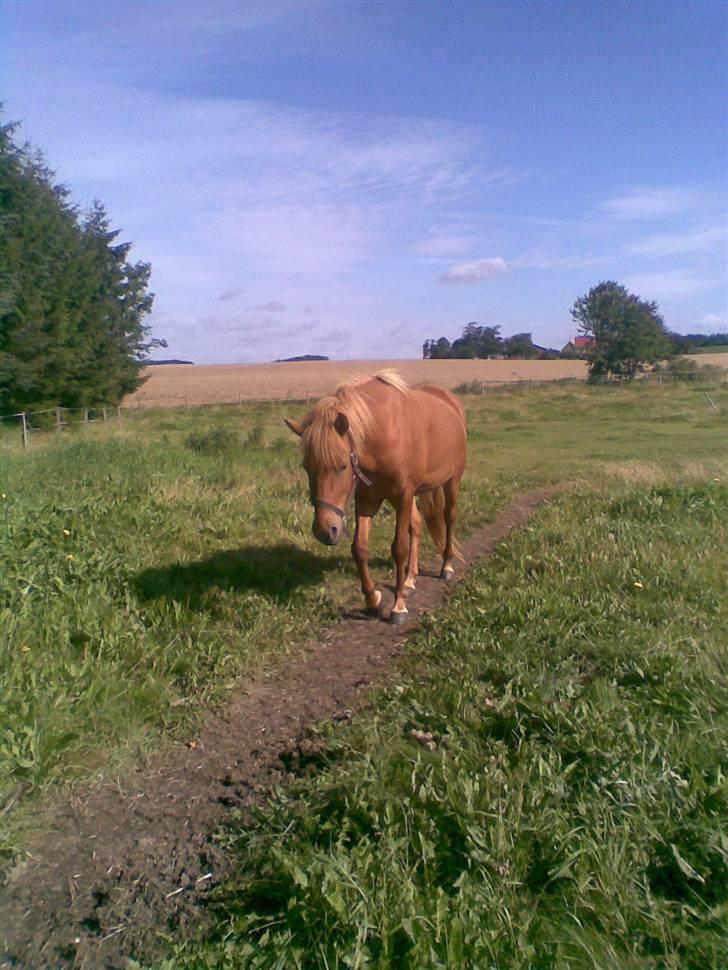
<point x="580" y="342"/>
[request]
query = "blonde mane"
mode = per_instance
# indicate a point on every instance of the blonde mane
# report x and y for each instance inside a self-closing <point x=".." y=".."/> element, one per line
<point x="321" y="441"/>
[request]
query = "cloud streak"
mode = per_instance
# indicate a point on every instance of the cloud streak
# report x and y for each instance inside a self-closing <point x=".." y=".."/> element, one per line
<point x="649" y="203"/>
<point x="475" y="272"/>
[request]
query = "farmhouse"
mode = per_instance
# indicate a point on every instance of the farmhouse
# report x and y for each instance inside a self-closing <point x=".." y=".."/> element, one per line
<point x="578" y="346"/>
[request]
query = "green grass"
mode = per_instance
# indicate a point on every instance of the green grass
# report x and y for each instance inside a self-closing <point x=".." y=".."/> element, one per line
<point x="569" y="807"/>
<point x="149" y="568"/>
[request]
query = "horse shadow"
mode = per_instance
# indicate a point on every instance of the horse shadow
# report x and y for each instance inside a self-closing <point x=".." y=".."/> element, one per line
<point x="274" y="571"/>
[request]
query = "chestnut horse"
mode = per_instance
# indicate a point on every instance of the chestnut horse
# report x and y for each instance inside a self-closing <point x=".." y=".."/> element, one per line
<point x="387" y="441"/>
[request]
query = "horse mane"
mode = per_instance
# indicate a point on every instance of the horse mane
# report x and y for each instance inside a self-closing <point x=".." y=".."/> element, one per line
<point x="321" y="441"/>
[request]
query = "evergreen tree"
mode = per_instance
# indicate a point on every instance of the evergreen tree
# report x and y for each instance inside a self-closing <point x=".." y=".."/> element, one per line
<point x="72" y="307"/>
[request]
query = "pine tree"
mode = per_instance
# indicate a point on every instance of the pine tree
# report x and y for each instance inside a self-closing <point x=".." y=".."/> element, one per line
<point x="72" y="307"/>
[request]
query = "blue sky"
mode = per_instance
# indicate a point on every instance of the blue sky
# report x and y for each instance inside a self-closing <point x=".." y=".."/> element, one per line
<point x="351" y="179"/>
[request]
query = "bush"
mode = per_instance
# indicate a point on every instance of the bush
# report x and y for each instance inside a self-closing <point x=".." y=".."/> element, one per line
<point x="255" y="436"/>
<point x="685" y="369"/>
<point x="212" y="441"/>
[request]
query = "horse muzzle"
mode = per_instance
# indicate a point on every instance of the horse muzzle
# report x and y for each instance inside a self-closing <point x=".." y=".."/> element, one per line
<point x="328" y="522"/>
<point x="328" y="535"/>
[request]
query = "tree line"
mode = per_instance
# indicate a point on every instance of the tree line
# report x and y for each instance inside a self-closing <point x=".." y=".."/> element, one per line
<point x="624" y="334"/>
<point x="72" y="305"/>
<point x="482" y="342"/>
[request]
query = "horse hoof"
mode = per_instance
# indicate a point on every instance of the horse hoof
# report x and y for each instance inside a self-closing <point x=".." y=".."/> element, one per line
<point x="447" y="574"/>
<point x="398" y="618"/>
<point x="373" y="611"/>
<point x="409" y="591"/>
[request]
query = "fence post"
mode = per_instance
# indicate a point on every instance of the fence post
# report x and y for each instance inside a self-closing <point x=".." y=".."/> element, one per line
<point x="118" y="413"/>
<point x="105" y="418"/>
<point x="24" y="429"/>
<point x="59" y="422"/>
<point x="85" y="415"/>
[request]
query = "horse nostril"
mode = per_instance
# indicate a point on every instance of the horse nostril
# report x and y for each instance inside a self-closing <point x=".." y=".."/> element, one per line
<point x="334" y="532"/>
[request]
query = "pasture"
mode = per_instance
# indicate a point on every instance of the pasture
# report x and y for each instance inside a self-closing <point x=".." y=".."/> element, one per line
<point x="149" y="570"/>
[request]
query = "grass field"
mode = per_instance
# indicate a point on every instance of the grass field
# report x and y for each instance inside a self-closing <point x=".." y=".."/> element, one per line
<point x="569" y="808"/>
<point x="147" y="570"/>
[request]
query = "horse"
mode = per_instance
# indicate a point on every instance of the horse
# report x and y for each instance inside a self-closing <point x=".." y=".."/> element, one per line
<point x="386" y="441"/>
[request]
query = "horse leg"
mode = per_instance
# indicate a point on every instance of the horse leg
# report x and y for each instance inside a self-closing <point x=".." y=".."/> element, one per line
<point x="400" y="551"/>
<point x="415" y="531"/>
<point x="360" y="552"/>
<point x="451" y="490"/>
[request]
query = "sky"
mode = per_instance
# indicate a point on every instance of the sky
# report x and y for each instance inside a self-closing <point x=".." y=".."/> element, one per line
<point x="354" y="178"/>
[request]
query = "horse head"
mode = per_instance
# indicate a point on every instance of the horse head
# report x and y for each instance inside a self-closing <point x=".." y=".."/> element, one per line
<point x="329" y="462"/>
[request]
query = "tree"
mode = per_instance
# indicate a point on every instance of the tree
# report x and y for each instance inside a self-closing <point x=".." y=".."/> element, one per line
<point x="436" y="349"/>
<point x="72" y="307"/>
<point x="627" y="332"/>
<point x="520" y="345"/>
<point x="478" y="341"/>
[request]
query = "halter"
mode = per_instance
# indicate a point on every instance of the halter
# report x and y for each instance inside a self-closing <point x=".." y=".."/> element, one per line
<point x="319" y="503"/>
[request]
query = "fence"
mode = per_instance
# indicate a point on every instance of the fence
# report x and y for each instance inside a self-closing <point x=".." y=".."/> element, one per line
<point x="26" y="424"/>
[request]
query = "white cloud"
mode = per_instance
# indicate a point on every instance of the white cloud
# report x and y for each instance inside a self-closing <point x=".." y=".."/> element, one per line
<point x="714" y="320"/>
<point x="436" y="246"/>
<point x="543" y="259"/>
<point x="677" y="244"/>
<point x="668" y="285"/>
<point x="475" y="272"/>
<point x="649" y="203"/>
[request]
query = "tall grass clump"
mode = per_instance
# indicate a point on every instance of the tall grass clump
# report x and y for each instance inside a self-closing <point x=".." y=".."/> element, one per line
<point x="544" y="786"/>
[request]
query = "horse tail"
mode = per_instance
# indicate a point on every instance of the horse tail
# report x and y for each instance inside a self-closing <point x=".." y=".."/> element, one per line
<point x="432" y="508"/>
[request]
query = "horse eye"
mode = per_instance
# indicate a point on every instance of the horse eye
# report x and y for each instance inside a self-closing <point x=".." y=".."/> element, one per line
<point x="342" y="468"/>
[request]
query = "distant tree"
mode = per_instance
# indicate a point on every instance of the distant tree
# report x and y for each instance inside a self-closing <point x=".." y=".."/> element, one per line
<point x="520" y="345"/>
<point x="691" y="342"/>
<point x="627" y="332"/>
<point x="436" y="349"/>
<point x="477" y="341"/>
<point x="72" y="307"/>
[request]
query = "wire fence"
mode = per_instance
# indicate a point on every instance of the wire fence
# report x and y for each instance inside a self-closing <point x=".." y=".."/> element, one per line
<point x="24" y="426"/>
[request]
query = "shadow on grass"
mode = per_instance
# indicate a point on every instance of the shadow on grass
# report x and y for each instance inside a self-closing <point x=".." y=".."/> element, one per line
<point x="276" y="571"/>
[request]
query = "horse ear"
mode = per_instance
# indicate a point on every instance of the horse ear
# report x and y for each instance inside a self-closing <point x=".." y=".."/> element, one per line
<point x="295" y="426"/>
<point x="341" y="424"/>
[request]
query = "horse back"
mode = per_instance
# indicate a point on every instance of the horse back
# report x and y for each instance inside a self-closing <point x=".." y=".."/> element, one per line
<point x="445" y="396"/>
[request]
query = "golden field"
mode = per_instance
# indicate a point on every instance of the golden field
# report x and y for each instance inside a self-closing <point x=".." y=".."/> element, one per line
<point x="175" y="385"/>
<point x="179" y="385"/>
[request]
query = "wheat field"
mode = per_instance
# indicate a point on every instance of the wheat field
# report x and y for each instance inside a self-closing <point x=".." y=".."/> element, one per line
<point x="175" y="385"/>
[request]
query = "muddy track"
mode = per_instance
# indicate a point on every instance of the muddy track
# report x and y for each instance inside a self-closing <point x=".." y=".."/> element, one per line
<point x="118" y="864"/>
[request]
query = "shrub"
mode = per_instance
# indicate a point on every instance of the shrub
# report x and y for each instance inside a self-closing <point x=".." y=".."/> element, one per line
<point x="212" y="441"/>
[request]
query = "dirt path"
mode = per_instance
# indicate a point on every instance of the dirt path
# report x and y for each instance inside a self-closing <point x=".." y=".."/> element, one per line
<point x="120" y="863"/>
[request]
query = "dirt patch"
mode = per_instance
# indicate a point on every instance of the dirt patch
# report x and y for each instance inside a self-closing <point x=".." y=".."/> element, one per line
<point x="120" y="864"/>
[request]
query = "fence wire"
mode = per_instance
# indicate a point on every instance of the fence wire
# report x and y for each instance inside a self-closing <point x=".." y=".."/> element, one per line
<point x="24" y="425"/>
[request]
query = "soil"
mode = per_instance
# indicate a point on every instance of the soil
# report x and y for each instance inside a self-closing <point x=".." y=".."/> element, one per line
<point x="121" y="863"/>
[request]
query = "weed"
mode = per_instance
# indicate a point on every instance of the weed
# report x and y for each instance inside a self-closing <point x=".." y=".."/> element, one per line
<point x="212" y="441"/>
